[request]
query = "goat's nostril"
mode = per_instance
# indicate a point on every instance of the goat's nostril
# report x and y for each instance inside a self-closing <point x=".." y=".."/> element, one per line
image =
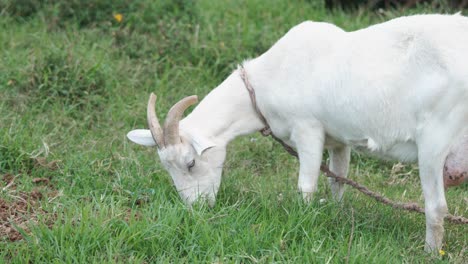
<point x="451" y="177"/>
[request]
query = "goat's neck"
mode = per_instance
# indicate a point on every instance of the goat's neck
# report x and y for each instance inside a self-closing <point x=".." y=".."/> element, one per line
<point x="225" y="113"/>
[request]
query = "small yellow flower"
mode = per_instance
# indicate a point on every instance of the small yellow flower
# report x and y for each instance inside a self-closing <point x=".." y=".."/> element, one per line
<point x="118" y="17"/>
<point x="441" y="252"/>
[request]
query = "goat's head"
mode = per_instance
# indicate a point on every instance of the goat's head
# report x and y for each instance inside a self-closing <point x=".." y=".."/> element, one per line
<point x="194" y="163"/>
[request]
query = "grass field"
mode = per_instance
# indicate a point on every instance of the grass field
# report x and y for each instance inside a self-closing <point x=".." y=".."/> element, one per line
<point x="75" y="78"/>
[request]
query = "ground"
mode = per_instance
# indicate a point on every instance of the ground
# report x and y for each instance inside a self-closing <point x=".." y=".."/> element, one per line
<point x="75" y="78"/>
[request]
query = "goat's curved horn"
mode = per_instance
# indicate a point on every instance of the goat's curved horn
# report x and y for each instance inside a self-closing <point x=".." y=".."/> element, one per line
<point x="171" y="126"/>
<point x="153" y="122"/>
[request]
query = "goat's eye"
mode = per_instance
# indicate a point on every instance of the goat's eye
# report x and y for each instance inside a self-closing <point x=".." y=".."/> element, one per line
<point x="191" y="164"/>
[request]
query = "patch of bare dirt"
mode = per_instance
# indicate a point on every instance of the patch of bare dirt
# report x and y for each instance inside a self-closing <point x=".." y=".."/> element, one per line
<point x="19" y="210"/>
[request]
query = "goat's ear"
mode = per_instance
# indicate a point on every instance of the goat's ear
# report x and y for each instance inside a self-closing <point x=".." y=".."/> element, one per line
<point x="141" y="137"/>
<point x="201" y="143"/>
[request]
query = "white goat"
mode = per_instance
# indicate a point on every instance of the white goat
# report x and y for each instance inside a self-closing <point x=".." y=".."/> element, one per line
<point x="397" y="89"/>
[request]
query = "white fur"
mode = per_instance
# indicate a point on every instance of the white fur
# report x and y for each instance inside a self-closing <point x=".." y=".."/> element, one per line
<point x="142" y="137"/>
<point x="398" y="90"/>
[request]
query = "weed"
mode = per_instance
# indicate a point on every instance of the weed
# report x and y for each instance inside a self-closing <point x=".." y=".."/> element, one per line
<point x="13" y="158"/>
<point x="20" y="8"/>
<point x="63" y="76"/>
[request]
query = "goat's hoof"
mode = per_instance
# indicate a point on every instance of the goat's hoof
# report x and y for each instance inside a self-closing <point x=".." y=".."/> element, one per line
<point x="307" y="197"/>
<point x="433" y="249"/>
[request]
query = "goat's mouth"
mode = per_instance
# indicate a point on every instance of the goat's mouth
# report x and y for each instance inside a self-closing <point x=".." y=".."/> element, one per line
<point x="200" y="200"/>
<point x="197" y="197"/>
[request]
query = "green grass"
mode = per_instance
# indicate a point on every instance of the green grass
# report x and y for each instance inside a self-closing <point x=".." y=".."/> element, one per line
<point x="73" y="82"/>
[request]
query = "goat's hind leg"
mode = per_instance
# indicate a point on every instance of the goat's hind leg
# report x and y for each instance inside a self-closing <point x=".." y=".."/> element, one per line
<point x="434" y="144"/>
<point x="431" y="158"/>
<point x="434" y="201"/>
<point x="339" y="164"/>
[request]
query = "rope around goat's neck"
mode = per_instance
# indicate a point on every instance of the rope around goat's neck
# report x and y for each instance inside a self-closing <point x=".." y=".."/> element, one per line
<point x="266" y="131"/>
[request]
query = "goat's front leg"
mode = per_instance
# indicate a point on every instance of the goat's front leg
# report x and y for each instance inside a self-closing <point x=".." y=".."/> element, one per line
<point x="339" y="164"/>
<point x="309" y="141"/>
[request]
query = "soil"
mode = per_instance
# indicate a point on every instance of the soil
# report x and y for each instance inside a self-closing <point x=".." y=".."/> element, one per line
<point x="17" y="214"/>
<point x="20" y="210"/>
